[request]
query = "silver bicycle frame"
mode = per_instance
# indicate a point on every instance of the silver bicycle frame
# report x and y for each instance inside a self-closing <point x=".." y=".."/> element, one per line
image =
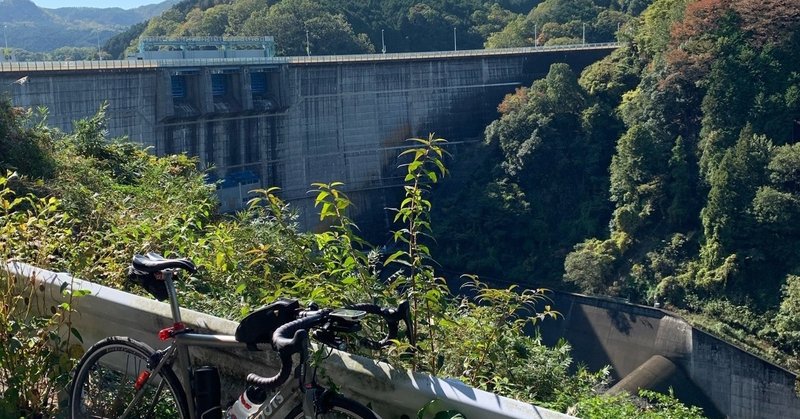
<point x="279" y="402"/>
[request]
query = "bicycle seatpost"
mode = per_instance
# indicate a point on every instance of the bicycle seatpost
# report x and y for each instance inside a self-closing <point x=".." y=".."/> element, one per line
<point x="173" y="296"/>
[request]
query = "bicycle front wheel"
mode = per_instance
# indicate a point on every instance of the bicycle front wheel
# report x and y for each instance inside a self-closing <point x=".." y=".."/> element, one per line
<point x="104" y="384"/>
<point x="337" y="407"/>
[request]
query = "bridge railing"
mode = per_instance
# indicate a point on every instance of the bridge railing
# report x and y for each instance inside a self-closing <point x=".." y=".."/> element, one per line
<point x="111" y="65"/>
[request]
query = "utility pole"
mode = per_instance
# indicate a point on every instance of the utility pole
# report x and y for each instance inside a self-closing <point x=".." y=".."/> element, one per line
<point x="99" y="55"/>
<point x="383" y="43"/>
<point x="308" y="45"/>
<point x="455" y="44"/>
<point x="584" y="34"/>
<point x="536" y="34"/>
<point x="5" y="37"/>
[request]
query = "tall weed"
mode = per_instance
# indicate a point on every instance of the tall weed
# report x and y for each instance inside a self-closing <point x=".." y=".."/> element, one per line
<point x="37" y="343"/>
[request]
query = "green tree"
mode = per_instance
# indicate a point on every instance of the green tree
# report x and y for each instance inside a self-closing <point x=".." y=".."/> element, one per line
<point x="787" y="321"/>
<point x="240" y="11"/>
<point x="654" y="36"/>
<point x="26" y="145"/>
<point x="489" y="21"/>
<point x="727" y="221"/>
<point x="519" y="32"/>
<point x="289" y="20"/>
<point x="563" y="11"/>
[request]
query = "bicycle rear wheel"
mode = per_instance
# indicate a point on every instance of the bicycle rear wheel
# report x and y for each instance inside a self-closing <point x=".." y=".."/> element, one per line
<point x="104" y="384"/>
<point x="337" y="407"/>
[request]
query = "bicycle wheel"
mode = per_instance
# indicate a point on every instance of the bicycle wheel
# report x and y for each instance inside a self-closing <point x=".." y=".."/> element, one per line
<point x="337" y="407"/>
<point x="103" y="384"/>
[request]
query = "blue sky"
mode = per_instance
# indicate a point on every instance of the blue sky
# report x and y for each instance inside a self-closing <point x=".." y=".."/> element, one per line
<point x="125" y="4"/>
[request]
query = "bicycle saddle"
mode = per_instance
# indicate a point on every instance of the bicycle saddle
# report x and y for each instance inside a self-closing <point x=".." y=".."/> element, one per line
<point x="153" y="262"/>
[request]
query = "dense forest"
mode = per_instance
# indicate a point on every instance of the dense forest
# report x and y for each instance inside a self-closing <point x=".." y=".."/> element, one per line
<point x="667" y="173"/>
<point x="347" y="26"/>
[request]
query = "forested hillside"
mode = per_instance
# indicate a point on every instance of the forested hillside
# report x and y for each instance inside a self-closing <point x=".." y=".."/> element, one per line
<point x="348" y="26"/>
<point x="29" y="28"/>
<point x="667" y="173"/>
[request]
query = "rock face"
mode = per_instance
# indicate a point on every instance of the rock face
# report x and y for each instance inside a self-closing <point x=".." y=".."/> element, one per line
<point x="32" y="28"/>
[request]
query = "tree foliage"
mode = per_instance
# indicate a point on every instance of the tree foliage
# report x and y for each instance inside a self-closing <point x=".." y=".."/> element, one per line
<point x="701" y="178"/>
<point x="554" y="22"/>
<point x="342" y="26"/>
<point x="680" y="185"/>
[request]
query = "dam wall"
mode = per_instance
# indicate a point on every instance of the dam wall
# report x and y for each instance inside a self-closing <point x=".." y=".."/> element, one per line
<point x="288" y="122"/>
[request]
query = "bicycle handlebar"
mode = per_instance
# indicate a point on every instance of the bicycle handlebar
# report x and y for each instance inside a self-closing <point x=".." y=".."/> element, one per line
<point x="392" y="317"/>
<point x="289" y="338"/>
<point x="286" y="347"/>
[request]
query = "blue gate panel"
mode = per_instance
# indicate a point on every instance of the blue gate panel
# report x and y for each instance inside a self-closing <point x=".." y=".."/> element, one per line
<point x="178" y="86"/>
<point x="219" y="84"/>
<point x="258" y="83"/>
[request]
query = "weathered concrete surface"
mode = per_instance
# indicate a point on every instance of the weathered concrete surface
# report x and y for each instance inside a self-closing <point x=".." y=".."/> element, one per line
<point x="724" y="379"/>
<point x="654" y="373"/>
<point x="316" y="120"/>
<point x="389" y="391"/>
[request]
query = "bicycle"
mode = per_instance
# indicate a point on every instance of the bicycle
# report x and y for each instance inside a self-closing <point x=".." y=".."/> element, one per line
<point x="120" y="377"/>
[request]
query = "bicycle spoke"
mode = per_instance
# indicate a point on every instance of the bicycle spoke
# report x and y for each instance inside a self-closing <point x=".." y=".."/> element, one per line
<point x="106" y="386"/>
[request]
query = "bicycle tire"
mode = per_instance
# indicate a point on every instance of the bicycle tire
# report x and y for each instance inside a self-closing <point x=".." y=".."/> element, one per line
<point x="336" y="407"/>
<point x="94" y="395"/>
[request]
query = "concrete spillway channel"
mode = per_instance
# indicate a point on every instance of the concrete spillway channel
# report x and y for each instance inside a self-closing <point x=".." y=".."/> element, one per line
<point x="654" y="349"/>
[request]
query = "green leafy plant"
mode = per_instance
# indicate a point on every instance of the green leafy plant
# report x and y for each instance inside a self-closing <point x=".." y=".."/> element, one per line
<point x="431" y="410"/>
<point x="38" y="344"/>
<point x="648" y="405"/>
<point x="426" y="292"/>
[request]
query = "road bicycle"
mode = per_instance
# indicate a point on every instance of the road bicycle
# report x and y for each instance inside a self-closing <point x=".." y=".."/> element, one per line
<point x="120" y="377"/>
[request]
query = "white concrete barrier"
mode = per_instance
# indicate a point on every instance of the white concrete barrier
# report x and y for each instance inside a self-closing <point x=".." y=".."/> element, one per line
<point x="389" y="391"/>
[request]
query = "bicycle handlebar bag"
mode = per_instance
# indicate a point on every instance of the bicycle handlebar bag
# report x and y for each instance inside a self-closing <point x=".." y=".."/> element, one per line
<point x="258" y="326"/>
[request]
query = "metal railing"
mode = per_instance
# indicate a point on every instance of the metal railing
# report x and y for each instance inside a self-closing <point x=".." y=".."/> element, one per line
<point x="112" y="65"/>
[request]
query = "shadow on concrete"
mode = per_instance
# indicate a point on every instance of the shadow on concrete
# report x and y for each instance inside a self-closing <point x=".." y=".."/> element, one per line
<point x="620" y="321"/>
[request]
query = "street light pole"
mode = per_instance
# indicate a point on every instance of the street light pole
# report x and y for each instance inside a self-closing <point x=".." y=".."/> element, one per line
<point x="536" y="34"/>
<point x="455" y="43"/>
<point x="99" y="55"/>
<point x="584" y="34"/>
<point x="383" y="43"/>
<point x="308" y="45"/>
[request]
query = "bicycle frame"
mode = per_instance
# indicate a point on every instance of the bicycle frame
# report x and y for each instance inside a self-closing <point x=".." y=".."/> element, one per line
<point x="177" y="354"/>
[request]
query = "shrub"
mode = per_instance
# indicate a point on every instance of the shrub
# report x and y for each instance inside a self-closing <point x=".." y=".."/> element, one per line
<point x="37" y="344"/>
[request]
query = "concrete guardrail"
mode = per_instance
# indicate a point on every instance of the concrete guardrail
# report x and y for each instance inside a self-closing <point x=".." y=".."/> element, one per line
<point x="389" y="391"/>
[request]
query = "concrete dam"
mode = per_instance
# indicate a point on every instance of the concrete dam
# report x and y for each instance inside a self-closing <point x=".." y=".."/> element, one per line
<point x="290" y="121"/>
